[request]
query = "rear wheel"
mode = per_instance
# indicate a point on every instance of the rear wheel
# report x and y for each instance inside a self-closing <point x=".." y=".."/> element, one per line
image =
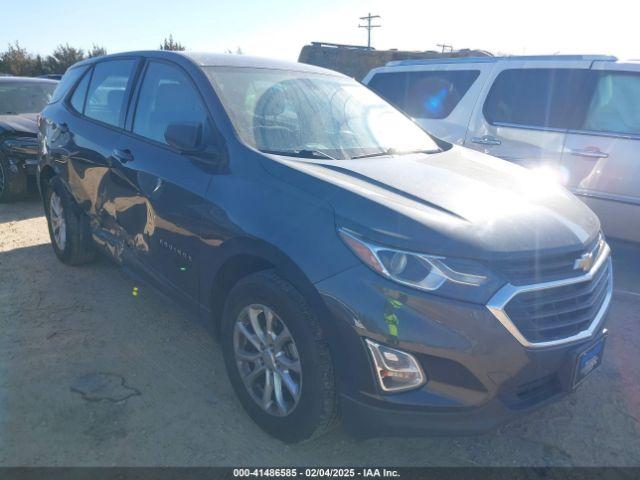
<point x="68" y="227"/>
<point x="277" y="359"/>
<point x="13" y="181"/>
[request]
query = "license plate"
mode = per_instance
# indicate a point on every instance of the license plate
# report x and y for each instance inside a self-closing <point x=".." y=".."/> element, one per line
<point x="588" y="361"/>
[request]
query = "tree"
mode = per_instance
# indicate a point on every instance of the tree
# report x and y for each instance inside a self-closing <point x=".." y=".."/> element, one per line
<point x="171" y="44"/>
<point x="96" y="51"/>
<point x="63" y="57"/>
<point x="17" y="61"/>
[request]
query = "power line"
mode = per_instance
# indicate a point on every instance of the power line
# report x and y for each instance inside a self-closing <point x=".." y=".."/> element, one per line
<point x="368" y="26"/>
<point x="445" y="46"/>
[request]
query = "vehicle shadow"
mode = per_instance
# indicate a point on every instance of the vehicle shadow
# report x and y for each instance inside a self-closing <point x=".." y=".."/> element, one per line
<point x="626" y="265"/>
<point x="61" y="324"/>
<point x="28" y="207"/>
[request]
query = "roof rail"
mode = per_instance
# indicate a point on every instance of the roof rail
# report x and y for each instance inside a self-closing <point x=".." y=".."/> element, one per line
<point x="443" y="60"/>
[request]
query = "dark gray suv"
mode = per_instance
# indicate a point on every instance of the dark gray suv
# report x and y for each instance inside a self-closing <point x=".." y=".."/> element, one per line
<point x="353" y="266"/>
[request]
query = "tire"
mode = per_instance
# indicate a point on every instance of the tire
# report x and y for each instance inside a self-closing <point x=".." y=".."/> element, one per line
<point x="315" y="410"/>
<point x="13" y="185"/>
<point x="75" y="246"/>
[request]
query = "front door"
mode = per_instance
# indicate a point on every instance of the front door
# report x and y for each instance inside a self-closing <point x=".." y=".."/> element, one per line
<point x="602" y="154"/>
<point x="162" y="210"/>
<point x="93" y="125"/>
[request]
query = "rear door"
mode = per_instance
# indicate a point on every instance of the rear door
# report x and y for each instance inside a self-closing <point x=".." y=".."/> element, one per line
<point x="602" y="153"/>
<point x="439" y="96"/>
<point x="97" y="109"/>
<point x="525" y="110"/>
<point x="161" y="201"/>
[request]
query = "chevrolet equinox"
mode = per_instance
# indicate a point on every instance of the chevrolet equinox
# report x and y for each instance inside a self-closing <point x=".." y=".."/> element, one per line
<point x="352" y="265"/>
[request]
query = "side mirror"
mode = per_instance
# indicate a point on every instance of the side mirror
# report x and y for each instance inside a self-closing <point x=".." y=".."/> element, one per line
<point x="186" y="137"/>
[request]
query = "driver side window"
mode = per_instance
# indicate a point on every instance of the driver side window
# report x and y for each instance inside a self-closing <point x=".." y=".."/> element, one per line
<point x="167" y="96"/>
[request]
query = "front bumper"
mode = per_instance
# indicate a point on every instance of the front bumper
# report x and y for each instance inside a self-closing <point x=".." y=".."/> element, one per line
<point x="22" y="154"/>
<point x="479" y="375"/>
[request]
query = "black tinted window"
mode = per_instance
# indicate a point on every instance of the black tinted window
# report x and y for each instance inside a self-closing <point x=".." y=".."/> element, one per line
<point x="106" y="96"/>
<point x="80" y="93"/>
<point x="432" y="94"/>
<point x="67" y="81"/>
<point x="554" y="98"/>
<point x="167" y="96"/>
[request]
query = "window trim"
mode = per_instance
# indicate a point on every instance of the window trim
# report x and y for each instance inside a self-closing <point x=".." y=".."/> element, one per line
<point x="72" y="91"/>
<point x="73" y="86"/>
<point x="135" y="97"/>
<point x="128" y="92"/>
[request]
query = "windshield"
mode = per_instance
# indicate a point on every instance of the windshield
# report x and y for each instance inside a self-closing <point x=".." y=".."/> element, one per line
<point x="24" y="97"/>
<point x="316" y="115"/>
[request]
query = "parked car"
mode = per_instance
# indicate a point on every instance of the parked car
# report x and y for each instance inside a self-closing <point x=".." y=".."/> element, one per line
<point x="348" y="261"/>
<point x="575" y="117"/>
<point x="51" y="76"/>
<point x="20" y="100"/>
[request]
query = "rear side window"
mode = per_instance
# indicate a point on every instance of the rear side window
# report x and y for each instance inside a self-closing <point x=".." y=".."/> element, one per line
<point x="431" y="94"/>
<point x="80" y="93"/>
<point x="167" y="96"/>
<point x="541" y="97"/>
<point x="66" y="82"/>
<point x="615" y="104"/>
<point x="107" y="91"/>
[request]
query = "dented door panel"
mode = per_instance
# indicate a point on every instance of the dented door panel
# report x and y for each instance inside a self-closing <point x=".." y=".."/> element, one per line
<point x="157" y="201"/>
<point x="81" y="153"/>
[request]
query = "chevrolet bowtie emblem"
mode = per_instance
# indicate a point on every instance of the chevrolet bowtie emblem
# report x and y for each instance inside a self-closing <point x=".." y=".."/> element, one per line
<point x="584" y="262"/>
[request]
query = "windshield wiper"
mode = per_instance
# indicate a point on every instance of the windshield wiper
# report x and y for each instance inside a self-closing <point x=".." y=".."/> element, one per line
<point x="392" y="151"/>
<point x="407" y="152"/>
<point x="381" y="153"/>
<point x="302" y="153"/>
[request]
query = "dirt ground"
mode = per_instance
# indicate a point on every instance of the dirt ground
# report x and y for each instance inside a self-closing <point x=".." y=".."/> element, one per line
<point x="92" y="375"/>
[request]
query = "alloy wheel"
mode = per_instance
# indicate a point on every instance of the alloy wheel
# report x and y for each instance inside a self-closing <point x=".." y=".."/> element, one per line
<point x="58" y="224"/>
<point x="267" y="359"/>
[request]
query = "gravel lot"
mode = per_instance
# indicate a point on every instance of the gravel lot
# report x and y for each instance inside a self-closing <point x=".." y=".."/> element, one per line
<point x="92" y="375"/>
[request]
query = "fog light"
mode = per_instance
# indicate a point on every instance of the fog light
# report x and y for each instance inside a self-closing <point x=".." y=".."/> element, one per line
<point x="396" y="370"/>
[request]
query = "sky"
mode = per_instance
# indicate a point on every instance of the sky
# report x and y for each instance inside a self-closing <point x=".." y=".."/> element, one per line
<point x="279" y="28"/>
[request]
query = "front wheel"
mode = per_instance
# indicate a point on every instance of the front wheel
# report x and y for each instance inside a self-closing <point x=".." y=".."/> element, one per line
<point x="277" y="359"/>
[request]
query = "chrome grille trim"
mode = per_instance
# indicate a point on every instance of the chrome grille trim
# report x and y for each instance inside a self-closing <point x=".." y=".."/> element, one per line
<point x="499" y="301"/>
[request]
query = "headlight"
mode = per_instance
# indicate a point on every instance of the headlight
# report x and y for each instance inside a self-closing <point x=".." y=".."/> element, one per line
<point x="456" y="278"/>
<point x="395" y="370"/>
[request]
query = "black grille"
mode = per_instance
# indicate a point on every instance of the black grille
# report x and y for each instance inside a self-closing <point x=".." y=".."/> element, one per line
<point x="559" y="312"/>
<point x="542" y="267"/>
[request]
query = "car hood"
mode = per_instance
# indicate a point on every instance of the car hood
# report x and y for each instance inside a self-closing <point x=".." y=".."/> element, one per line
<point x="22" y="123"/>
<point x="456" y="202"/>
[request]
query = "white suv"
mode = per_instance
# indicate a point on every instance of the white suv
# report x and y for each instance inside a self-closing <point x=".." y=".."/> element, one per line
<point x="577" y="117"/>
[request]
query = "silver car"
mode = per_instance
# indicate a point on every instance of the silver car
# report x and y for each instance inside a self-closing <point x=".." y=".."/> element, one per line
<point x="574" y="118"/>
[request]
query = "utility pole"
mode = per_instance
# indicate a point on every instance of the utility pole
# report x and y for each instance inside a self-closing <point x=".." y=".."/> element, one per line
<point x="444" y="45"/>
<point x="368" y="26"/>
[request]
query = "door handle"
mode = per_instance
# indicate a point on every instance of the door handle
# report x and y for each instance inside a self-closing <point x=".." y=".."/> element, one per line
<point x="122" y="155"/>
<point x="594" y="153"/>
<point x="486" y="140"/>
